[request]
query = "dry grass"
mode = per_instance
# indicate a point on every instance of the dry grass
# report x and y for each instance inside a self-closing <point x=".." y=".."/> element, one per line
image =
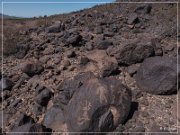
<point x="11" y="35"/>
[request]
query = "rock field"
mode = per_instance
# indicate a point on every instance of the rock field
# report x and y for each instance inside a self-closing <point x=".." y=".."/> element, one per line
<point x="95" y="71"/>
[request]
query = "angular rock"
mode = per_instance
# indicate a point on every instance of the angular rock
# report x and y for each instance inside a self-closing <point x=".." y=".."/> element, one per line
<point x="70" y="54"/>
<point x="89" y="46"/>
<point x="133" y="53"/>
<point x="43" y="97"/>
<point x="84" y="60"/>
<point x="48" y="51"/>
<point x="157" y="47"/>
<point x="55" y="28"/>
<point x="23" y="78"/>
<point x="145" y="9"/>
<point x="22" y="50"/>
<point x="106" y="65"/>
<point x="68" y="87"/>
<point x="133" y="18"/>
<point x="132" y="69"/>
<point x="54" y="119"/>
<point x="15" y="103"/>
<point x="74" y="39"/>
<point x="65" y="64"/>
<point x="4" y="95"/>
<point x="6" y="84"/>
<point x="104" y="44"/>
<point x="37" y="109"/>
<point x="32" y="68"/>
<point x="158" y="75"/>
<point x="23" y="119"/>
<point x="109" y="69"/>
<point x="30" y="128"/>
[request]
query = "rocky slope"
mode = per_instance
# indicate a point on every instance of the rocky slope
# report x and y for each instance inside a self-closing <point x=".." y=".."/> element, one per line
<point x="111" y="68"/>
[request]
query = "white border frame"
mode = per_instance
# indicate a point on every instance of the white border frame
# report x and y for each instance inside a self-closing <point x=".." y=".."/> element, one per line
<point x="2" y="6"/>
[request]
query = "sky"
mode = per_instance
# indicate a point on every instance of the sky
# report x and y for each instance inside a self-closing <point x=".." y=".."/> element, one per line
<point x="41" y="9"/>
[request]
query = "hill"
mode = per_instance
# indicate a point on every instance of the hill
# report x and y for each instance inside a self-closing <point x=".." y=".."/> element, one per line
<point x="110" y="68"/>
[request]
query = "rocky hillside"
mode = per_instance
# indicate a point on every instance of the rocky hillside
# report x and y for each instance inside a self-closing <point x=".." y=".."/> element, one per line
<point x="110" y="68"/>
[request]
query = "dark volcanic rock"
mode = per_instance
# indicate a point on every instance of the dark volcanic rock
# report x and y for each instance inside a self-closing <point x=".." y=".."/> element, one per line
<point x="109" y="68"/>
<point x="6" y="84"/>
<point x="68" y="87"/>
<point x="32" y="68"/>
<point x="158" y="75"/>
<point x="55" y="28"/>
<point x="144" y="8"/>
<point x="108" y="94"/>
<point x="65" y="63"/>
<point x="26" y="124"/>
<point x="95" y="105"/>
<point x="104" y="44"/>
<point x="70" y="53"/>
<point x="133" y="18"/>
<point x="15" y="103"/>
<point x="30" y="129"/>
<point x="133" y="53"/>
<point x="23" y="119"/>
<point x="54" y="119"/>
<point x="84" y="60"/>
<point x="22" y="50"/>
<point x="37" y="109"/>
<point x="133" y="69"/>
<point x="74" y="39"/>
<point x="43" y="97"/>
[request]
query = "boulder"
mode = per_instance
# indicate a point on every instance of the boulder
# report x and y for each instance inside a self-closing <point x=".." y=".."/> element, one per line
<point x="26" y="125"/>
<point x="132" y="69"/>
<point x="30" y="128"/>
<point x="23" y="119"/>
<point x="68" y="87"/>
<point x="133" y="18"/>
<point x="158" y="75"/>
<point x="104" y="44"/>
<point x="109" y="69"/>
<point x="83" y="60"/>
<point x="70" y="53"/>
<point x="95" y="105"/>
<point x="6" y="84"/>
<point x="106" y="65"/>
<point x="22" y="50"/>
<point x="43" y="97"/>
<point x="32" y="68"/>
<point x="58" y="27"/>
<point x="133" y="53"/>
<point x="74" y="39"/>
<point x="54" y="119"/>
<point x="97" y="101"/>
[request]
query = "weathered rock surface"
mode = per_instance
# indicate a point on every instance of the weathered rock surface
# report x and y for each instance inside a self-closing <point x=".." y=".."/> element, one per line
<point x="133" y="18"/>
<point x="68" y="69"/>
<point x="57" y="27"/>
<point x="97" y="105"/>
<point x="104" y="44"/>
<point x="32" y="68"/>
<point x="21" y="50"/>
<point x="133" y="53"/>
<point x="26" y="125"/>
<point x="6" y="84"/>
<point x="43" y="97"/>
<point x="158" y="75"/>
<point x="31" y="129"/>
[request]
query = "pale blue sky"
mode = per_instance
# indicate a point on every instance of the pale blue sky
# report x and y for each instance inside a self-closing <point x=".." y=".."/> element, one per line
<point x="40" y="9"/>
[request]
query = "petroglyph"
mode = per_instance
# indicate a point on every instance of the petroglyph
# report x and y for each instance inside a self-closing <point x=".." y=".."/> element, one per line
<point x="86" y="106"/>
